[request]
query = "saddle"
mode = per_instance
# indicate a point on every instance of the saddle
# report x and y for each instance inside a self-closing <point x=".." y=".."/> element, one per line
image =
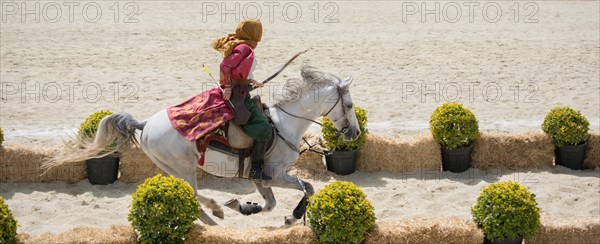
<point x="232" y="141"/>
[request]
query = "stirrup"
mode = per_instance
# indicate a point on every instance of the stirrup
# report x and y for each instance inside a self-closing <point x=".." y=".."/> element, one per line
<point x="257" y="173"/>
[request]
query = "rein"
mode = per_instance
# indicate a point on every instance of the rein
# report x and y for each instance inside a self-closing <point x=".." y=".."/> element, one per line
<point x="310" y="147"/>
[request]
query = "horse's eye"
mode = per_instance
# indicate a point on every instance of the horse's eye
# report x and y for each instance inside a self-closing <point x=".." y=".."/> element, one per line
<point x="349" y="106"/>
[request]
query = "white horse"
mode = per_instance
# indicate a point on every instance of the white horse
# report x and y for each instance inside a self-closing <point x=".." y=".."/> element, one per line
<point x="317" y="94"/>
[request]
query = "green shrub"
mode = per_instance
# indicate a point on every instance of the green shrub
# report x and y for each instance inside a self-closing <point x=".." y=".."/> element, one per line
<point x="340" y="213"/>
<point x="566" y="126"/>
<point x="453" y="126"/>
<point x="163" y="209"/>
<point x="1" y="136"/>
<point x="334" y="142"/>
<point x="87" y="129"/>
<point x="8" y="224"/>
<point x="506" y="210"/>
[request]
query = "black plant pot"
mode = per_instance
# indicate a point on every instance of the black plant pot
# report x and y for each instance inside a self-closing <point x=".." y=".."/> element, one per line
<point x="571" y="156"/>
<point x="341" y="162"/>
<point x="102" y="171"/>
<point x="504" y="241"/>
<point x="456" y="160"/>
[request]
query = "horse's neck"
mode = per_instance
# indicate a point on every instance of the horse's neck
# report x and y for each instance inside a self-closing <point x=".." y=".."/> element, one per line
<point x="292" y="127"/>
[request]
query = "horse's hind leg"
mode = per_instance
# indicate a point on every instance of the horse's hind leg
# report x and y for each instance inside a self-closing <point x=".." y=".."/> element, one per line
<point x="212" y="204"/>
<point x="189" y="175"/>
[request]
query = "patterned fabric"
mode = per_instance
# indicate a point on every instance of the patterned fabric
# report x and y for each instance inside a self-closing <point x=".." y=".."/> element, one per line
<point x="200" y="115"/>
<point x="202" y="145"/>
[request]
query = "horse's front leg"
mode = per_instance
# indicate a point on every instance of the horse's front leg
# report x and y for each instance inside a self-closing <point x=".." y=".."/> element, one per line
<point x="251" y="208"/>
<point x="296" y="183"/>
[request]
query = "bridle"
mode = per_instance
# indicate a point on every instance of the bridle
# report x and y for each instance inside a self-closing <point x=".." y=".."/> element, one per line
<point x="340" y="92"/>
<point x="342" y="131"/>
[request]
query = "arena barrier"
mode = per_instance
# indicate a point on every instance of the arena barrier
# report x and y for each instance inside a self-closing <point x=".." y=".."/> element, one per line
<point x="413" y="230"/>
<point x="491" y="151"/>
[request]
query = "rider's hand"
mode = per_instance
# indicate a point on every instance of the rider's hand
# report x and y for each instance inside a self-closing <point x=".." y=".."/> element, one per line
<point x="227" y="93"/>
<point x="257" y="84"/>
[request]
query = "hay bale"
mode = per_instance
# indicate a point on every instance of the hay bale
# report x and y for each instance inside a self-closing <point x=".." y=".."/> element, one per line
<point x="394" y="155"/>
<point x="137" y="167"/>
<point x="592" y="154"/>
<point x="22" y="164"/>
<point x="568" y="230"/>
<point x="226" y="234"/>
<point x="413" y="230"/>
<point x="378" y="154"/>
<point x="116" y="234"/>
<point x="512" y="151"/>
<point x="310" y="166"/>
<point x="426" y="230"/>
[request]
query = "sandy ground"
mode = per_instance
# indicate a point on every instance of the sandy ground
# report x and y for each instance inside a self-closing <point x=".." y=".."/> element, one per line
<point x="58" y="207"/>
<point x="403" y="69"/>
<point x="509" y="72"/>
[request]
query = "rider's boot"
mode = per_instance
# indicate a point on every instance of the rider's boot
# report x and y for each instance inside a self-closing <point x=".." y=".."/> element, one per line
<point x="258" y="154"/>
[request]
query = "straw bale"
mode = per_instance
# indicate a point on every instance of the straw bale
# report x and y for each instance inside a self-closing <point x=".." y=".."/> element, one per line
<point x="512" y="151"/>
<point x="568" y="230"/>
<point x="22" y="164"/>
<point x="136" y="166"/>
<point x="426" y="230"/>
<point x="491" y="150"/>
<point x="412" y="230"/>
<point x="394" y="155"/>
<point x="116" y="234"/>
<point x="592" y="154"/>
<point x="227" y="234"/>
<point x="310" y="166"/>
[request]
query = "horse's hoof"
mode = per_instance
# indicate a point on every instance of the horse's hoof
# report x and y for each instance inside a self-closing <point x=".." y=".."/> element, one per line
<point x="233" y="204"/>
<point x="290" y="220"/>
<point x="218" y="213"/>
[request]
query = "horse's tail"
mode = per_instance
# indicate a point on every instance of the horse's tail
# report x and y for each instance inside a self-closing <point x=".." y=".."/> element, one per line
<point x="115" y="133"/>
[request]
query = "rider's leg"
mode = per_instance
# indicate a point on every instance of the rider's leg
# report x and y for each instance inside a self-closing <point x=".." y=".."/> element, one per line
<point x="258" y="127"/>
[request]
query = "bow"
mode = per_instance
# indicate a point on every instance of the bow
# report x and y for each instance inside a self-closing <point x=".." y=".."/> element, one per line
<point x="284" y="66"/>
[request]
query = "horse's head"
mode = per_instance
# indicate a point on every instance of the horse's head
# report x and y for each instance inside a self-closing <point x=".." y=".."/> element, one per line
<point x="342" y="111"/>
<point x="337" y="106"/>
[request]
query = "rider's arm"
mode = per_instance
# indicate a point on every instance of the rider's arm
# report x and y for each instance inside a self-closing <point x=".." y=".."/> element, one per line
<point x="238" y="54"/>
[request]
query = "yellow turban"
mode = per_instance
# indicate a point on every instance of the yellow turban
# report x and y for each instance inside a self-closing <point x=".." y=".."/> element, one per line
<point x="247" y="32"/>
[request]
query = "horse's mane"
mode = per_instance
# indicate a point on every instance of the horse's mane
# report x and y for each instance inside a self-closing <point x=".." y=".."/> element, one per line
<point x="294" y="88"/>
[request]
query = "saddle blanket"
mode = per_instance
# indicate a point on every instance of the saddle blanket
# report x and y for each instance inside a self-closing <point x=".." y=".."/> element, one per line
<point x="199" y="115"/>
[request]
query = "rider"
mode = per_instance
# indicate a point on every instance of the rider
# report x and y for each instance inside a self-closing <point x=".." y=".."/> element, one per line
<point x="236" y="79"/>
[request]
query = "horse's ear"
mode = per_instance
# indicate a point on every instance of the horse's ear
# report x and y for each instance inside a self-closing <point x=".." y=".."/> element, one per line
<point x="345" y="84"/>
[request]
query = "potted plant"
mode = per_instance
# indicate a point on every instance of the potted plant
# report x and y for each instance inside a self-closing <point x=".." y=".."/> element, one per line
<point x="454" y="127"/>
<point x="163" y="210"/>
<point x="1" y="137"/>
<point x="506" y="212"/>
<point x="8" y="224"/>
<point x="569" y="131"/>
<point x="341" y="157"/>
<point x="104" y="170"/>
<point x="340" y="213"/>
